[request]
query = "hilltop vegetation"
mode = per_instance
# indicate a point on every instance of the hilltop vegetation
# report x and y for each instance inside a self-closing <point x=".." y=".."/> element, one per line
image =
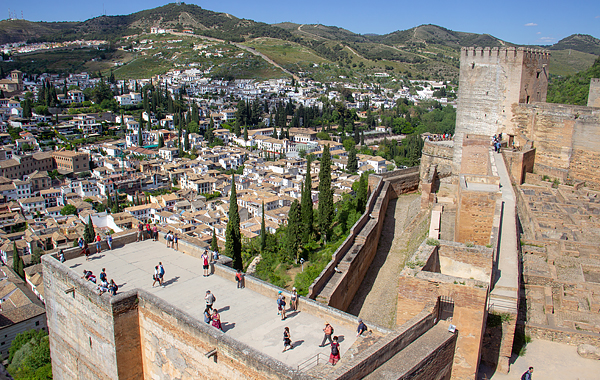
<point x="573" y="89"/>
<point x="422" y="52"/>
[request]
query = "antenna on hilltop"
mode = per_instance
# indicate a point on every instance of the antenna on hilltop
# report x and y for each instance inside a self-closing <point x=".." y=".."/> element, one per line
<point x="22" y="15"/>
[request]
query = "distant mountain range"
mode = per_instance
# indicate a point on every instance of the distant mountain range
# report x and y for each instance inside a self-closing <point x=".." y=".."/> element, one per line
<point x="427" y="49"/>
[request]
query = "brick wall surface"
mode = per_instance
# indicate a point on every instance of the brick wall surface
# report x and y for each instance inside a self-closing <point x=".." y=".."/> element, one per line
<point x="474" y="216"/>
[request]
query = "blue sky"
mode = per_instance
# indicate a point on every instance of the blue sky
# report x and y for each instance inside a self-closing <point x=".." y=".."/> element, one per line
<point x="521" y="22"/>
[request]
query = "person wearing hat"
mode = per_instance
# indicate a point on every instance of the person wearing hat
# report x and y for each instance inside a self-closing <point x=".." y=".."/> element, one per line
<point x="328" y="330"/>
<point x="361" y="327"/>
<point x="279" y="296"/>
<point x="294" y="299"/>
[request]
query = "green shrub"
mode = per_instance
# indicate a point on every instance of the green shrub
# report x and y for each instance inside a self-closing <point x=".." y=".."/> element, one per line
<point x="432" y="241"/>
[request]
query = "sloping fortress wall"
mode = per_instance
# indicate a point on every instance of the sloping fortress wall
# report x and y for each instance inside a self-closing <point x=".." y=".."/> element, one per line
<point x="594" y="95"/>
<point x="491" y="81"/>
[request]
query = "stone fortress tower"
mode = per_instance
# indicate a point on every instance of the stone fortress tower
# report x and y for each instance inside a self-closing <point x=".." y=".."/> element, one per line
<point x="492" y="80"/>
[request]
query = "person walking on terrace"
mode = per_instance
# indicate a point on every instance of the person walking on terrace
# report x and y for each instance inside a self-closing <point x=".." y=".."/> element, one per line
<point x="335" y="351"/>
<point x="328" y="330"/>
<point x="527" y="374"/>
<point x="287" y="339"/>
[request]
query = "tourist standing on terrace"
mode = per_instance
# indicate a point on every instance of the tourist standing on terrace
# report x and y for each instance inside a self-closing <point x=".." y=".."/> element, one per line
<point x="176" y="242"/>
<point x="204" y="258"/>
<point x="335" y="351"/>
<point x="210" y="299"/>
<point x="216" y="320"/>
<point x="112" y="287"/>
<point x="155" y="232"/>
<point x="109" y="241"/>
<point x="294" y="299"/>
<point x="281" y="303"/>
<point x="98" y="243"/>
<point x="207" y="316"/>
<point x="328" y="330"/>
<point x="140" y="235"/>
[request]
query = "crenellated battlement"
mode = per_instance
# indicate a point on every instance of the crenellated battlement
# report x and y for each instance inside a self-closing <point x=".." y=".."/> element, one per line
<point x="510" y="53"/>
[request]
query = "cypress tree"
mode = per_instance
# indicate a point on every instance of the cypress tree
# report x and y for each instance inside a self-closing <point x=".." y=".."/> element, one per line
<point x="362" y="194"/>
<point x="307" y="205"/>
<point x="263" y="230"/>
<point x="325" y="195"/>
<point x="362" y="138"/>
<point x="233" y="241"/>
<point x="245" y="133"/>
<point x="293" y="235"/>
<point x="352" y="161"/>
<point x="214" y="246"/>
<point x="89" y="233"/>
<point x="18" y="262"/>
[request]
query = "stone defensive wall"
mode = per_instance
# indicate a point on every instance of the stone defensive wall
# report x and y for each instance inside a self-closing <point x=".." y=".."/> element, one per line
<point x="566" y="139"/>
<point x="138" y="335"/>
<point x="356" y="253"/>
<point x="437" y="153"/>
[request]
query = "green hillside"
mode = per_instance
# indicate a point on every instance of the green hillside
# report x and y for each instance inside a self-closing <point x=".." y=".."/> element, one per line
<point x="573" y="89"/>
<point x="316" y="51"/>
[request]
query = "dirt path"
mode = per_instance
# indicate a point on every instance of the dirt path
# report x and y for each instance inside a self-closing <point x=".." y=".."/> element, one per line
<point x="376" y="299"/>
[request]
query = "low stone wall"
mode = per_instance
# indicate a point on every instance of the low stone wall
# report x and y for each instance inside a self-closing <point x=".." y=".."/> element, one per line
<point x="560" y="335"/>
<point x="437" y="153"/>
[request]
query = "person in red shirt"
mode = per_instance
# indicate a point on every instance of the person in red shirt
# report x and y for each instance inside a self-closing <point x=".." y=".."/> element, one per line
<point x="98" y="243"/>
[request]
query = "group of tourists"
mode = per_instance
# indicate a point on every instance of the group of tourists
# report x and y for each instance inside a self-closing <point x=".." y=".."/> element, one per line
<point x="104" y="286"/>
<point x="147" y="232"/>
<point x="497" y="142"/>
<point x="211" y="315"/>
<point x="172" y="240"/>
<point x="85" y="248"/>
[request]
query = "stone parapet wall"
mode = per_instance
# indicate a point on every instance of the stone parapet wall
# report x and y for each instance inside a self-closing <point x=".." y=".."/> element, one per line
<point x="437" y="153"/>
<point x="518" y="163"/>
<point x="566" y="138"/>
<point x="560" y="335"/>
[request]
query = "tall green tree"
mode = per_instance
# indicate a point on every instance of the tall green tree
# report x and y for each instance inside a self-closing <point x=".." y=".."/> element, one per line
<point x="306" y="205"/>
<point x="233" y="240"/>
<point x="89" y="232"/>
<point x="362" y="194"/>
<point x="293" y="232"/>
<point x="214" y="245"/>
<point x="18" y="262"/>
<point x="326" y="210"/>
<point x="352" y="161"/>
<point x="263" y="230"/>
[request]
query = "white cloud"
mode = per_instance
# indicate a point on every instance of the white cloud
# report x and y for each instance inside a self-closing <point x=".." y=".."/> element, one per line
<point x="547" y="39"/>
<point x="539" y="33"/>
<point x="531" y="24"/>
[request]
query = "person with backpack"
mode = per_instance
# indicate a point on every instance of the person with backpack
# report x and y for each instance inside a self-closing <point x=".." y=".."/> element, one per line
<point x="527" y="374"/>
<point x="281" y="306"/>
<point x="103" y="275"/>
<point x="361" y="327"/>
<point x="204" y="258"/>
<point x="161" y="274"/>
<point x="240" y="279"/>
<point x="335" y="351"/>
<point x="328" y="330"/>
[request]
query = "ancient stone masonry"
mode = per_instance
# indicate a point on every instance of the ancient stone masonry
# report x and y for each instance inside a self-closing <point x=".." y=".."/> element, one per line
<point x="566" y="138"/>
<point x="561" y="260"/>
<point x="594" y="95"/>
<point x="491" y="81"/>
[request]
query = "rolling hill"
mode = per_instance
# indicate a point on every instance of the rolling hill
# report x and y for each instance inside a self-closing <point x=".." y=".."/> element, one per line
<point x="425" y="51"/>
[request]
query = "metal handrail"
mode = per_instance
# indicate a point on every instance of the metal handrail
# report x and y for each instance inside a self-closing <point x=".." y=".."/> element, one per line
<point x="313" y="361"/>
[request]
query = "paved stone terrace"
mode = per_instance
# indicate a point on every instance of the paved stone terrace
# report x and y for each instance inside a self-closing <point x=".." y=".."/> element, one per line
<point x="246" y="315"/>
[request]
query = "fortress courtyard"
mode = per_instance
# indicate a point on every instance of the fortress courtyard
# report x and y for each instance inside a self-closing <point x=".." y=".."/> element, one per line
<point x="247" y="316"/>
